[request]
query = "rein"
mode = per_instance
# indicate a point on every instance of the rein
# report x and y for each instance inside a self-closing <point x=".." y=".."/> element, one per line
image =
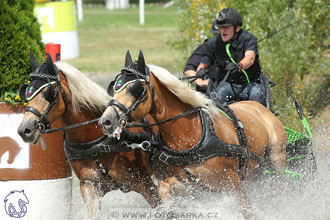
<point x="52" y="130"/>
<point x="196" y="77"/>
<point x="130" y="125"/>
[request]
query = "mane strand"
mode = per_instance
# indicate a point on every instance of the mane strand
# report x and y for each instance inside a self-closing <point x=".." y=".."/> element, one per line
<point x="183" y="90"/>
<point x="85" y="92"/>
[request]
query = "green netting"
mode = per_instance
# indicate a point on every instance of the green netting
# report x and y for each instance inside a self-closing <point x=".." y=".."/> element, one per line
<point x="294" y="136"/>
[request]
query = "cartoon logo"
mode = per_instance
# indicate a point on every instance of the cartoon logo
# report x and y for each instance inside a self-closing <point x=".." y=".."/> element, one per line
<point x="15" y="204"/>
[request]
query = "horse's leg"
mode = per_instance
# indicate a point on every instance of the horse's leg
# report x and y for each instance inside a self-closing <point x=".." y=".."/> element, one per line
<point x="92" y="197"/>
<point x="135" y="177"/>
<point x="167" y="187"/>
<point x="235" y="184"/>
<point x="277" y="149"/>
<point x="147" y="189"/>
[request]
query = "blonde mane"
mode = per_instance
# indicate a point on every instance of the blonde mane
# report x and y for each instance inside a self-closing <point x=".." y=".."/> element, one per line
<point x="182" y="90"/>
<point x="85" y="93"/>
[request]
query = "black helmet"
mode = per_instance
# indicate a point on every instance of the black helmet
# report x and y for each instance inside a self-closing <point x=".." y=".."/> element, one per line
<point x="228" y="16"/>
<point x="215" y="29"/>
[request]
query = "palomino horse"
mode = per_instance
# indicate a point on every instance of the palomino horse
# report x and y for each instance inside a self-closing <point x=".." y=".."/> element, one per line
<point x="197" y="142"/>
<point x="59" y="91"/>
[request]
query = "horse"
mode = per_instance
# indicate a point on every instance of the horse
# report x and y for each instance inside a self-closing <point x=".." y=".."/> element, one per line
<point x="191" y="125"/>
<point x="60" y="91"/>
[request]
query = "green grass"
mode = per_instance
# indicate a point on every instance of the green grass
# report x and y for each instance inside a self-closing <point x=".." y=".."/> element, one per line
<point x="105" y="36"/>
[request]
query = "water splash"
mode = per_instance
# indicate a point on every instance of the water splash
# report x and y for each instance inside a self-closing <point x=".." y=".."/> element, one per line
<point x="271" y="199"/>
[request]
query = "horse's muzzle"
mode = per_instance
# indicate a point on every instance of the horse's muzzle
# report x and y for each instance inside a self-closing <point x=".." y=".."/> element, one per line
<point x="29" y="131"/>
<point x="106" y="125"/>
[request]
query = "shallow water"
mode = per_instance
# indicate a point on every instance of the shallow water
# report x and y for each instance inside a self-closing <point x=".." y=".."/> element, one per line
<point x="271" y="199"/>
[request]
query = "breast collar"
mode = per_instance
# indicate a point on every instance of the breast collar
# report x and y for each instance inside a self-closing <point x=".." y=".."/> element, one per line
<point x="98" y="147"/>
<point x="207" y="147"/>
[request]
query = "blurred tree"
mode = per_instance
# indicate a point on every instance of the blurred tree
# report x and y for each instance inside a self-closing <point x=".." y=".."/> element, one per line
<point x="293" y="58"/>
<point x="19" y="33"/>
<point x="194" y="24"/>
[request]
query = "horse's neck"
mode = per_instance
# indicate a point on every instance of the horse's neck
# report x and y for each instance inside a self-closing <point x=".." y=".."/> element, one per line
<point x="180" y="134"/>
<point x="84" y="133"/>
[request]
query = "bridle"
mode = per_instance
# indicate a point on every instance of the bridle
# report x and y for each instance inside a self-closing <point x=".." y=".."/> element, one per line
<point x="50" y="95"/>
<point x="139" y="95"/>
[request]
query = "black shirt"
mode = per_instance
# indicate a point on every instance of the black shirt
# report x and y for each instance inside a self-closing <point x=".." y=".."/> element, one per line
<point x="215" y="51"/>
<point x="195" y="59"/>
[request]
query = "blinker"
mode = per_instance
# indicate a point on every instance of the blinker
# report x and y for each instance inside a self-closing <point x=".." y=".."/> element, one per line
<point x="136" y="89"/>
<point x="110" y="89"/>
<point x="49" y="94"/>
<point x="28" y="91"/>
<point x="22" y="90"/>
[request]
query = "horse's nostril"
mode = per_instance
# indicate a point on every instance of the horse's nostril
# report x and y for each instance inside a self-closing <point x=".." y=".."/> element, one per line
<point x="27" y="131"/>
<point x="107" y="123"/>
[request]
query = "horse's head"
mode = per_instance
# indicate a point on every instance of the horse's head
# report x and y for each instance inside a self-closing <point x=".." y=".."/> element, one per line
<point x="45" y="97"/>
<point x="132" y="96"/>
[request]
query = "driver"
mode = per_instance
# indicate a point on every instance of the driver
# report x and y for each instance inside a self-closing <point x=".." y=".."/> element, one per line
<point x="235" y="51"/>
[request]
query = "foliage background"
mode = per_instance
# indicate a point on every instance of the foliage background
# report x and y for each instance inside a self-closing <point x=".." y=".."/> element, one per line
<point x="19" y="33"/>
<point x="296" y="59"/>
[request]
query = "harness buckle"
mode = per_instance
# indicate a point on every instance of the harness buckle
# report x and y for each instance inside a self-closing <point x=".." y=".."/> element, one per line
<point x="106" y="148"/>
<point x="240" y="124"/>
<point x="145" y="146"/>
<point x="164" y="157"/>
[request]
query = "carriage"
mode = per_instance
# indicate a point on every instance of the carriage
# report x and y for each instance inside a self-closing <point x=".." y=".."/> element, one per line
<point x="300" y="160"/>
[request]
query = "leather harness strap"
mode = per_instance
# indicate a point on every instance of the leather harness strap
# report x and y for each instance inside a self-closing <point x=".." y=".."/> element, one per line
<point x="239" y="127"/>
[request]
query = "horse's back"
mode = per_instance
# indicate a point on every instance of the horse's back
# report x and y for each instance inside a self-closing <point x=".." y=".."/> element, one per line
<point x="257" y="114"/>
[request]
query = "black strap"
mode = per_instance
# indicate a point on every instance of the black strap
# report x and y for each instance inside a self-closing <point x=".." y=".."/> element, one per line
<point x="118" y="104"/>
<point x="33" y="110"/>
<point x="48" y="131"/>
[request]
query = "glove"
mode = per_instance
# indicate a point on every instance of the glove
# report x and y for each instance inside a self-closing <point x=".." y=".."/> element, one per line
<point x="232" y="67"/>
<point x="201" y="73"/>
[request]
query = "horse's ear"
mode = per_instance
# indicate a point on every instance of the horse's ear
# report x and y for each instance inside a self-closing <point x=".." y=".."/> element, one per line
<point x="141" y="63"/>
<point x="128" y="59"/>
<point x="33" y="60"/>
<point x="50" y="65"/>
